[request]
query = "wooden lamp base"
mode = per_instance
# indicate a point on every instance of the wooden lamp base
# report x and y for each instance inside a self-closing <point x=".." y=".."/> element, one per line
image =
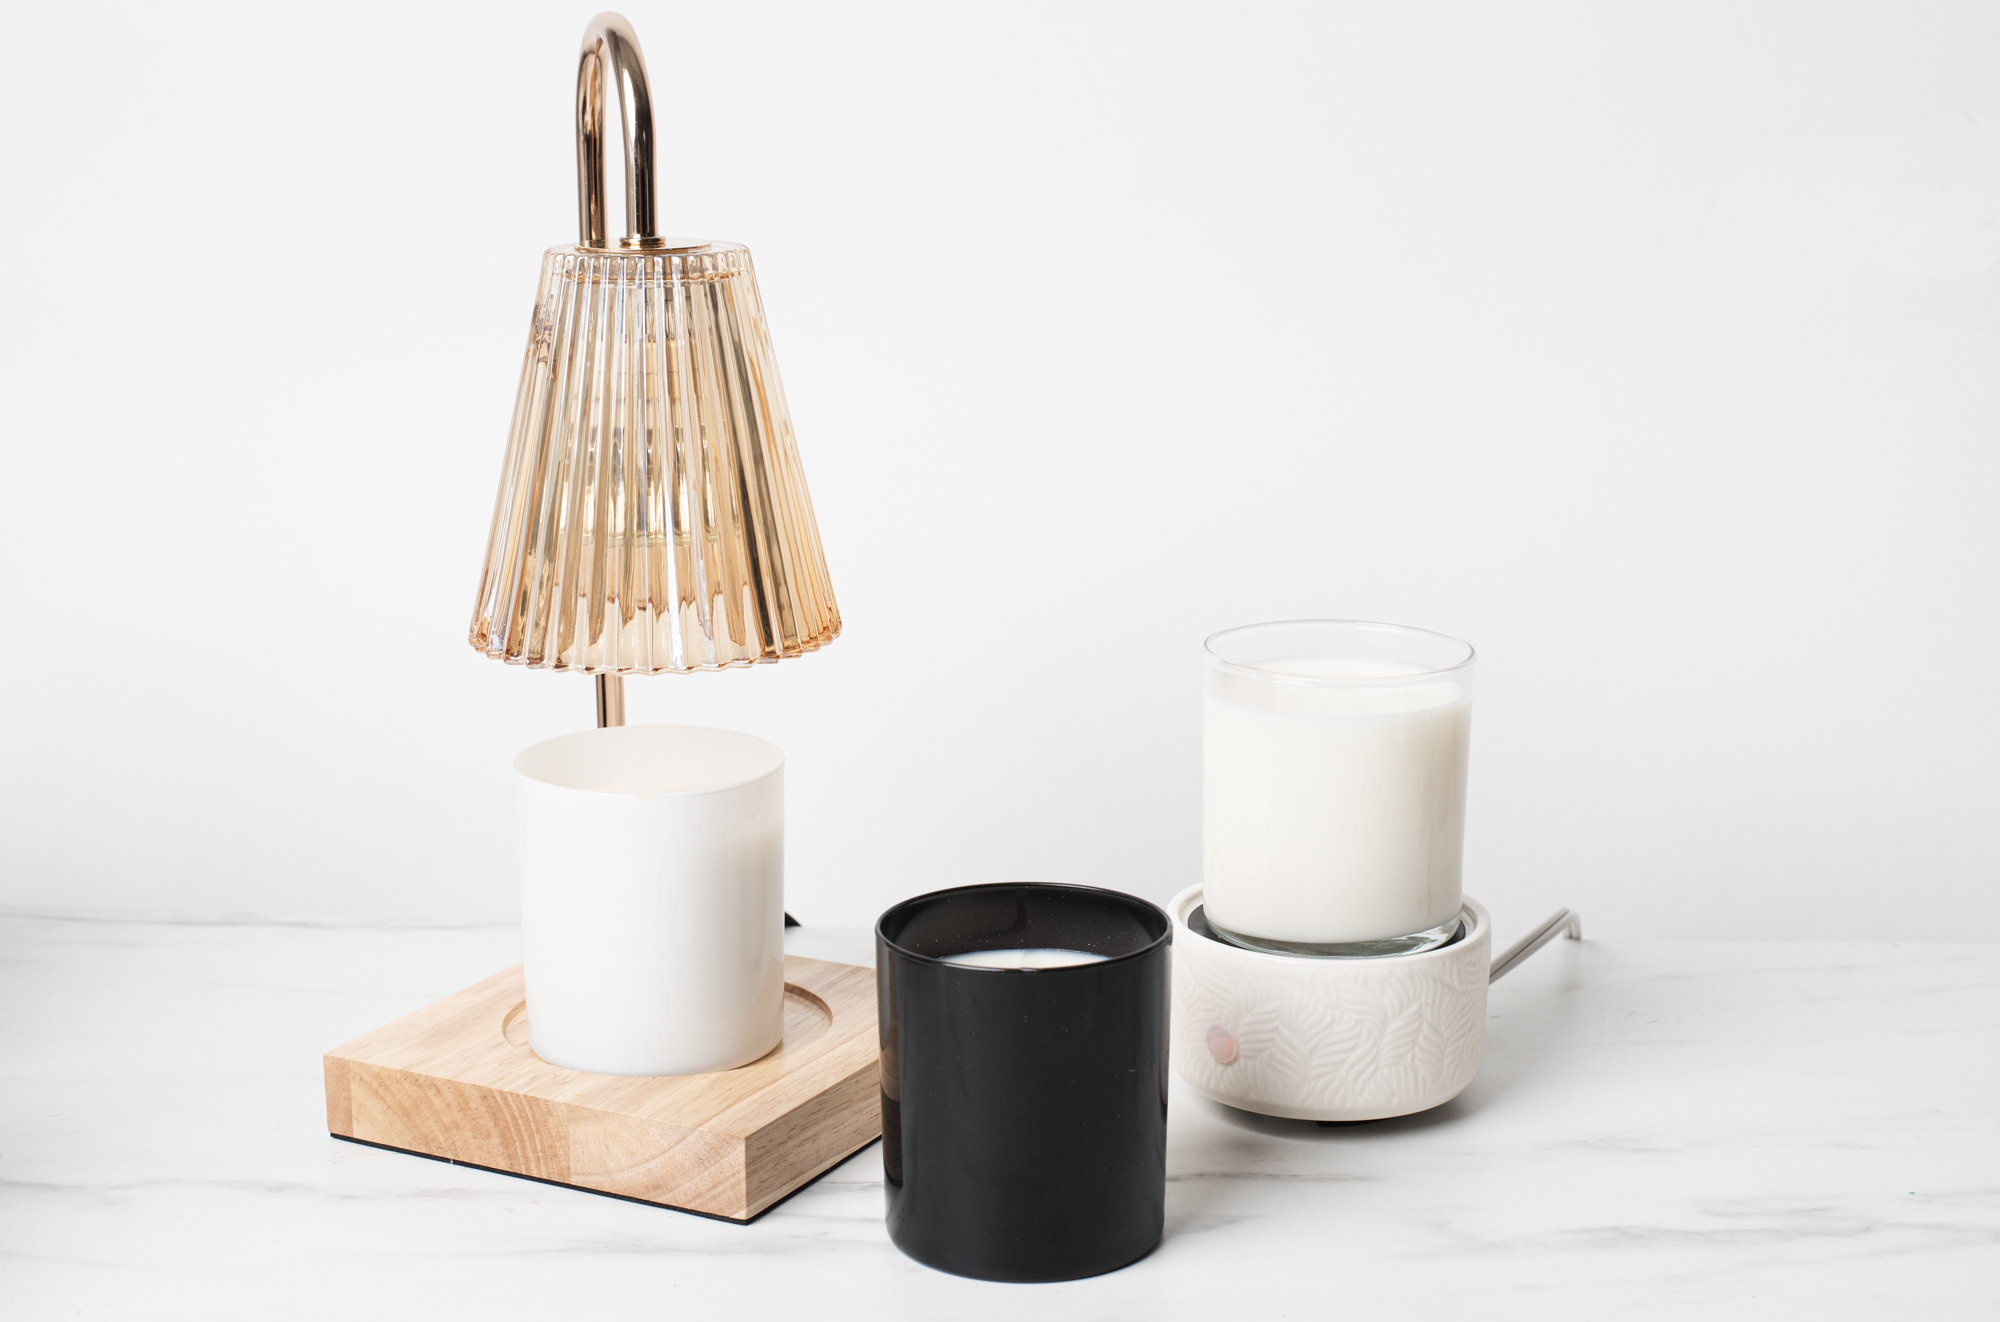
<point x="457" y="1080"/>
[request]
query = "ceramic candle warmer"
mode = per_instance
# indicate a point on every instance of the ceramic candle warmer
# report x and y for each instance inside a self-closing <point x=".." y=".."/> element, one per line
<point x="1327" y="1039"/>
<point x="1330" y="967"/>
<point x="1336" y="1040"/>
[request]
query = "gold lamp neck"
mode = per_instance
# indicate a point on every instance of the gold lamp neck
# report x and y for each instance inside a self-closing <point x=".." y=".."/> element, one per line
<point x="611" y="46"/>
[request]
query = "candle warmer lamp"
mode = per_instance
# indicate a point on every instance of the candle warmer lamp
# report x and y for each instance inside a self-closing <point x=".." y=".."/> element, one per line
<point x="652" y="518"/>
<point x="1329" y="967"/>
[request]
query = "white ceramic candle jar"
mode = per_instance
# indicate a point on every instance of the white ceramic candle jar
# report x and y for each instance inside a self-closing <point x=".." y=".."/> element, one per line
<point x="653" y="898"/>
<point x="1333" y="786"/>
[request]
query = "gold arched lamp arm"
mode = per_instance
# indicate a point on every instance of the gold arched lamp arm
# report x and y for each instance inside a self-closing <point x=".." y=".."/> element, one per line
<point x="610" y="45"/>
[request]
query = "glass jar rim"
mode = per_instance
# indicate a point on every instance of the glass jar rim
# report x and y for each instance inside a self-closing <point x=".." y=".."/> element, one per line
<point x="896" y="914"/>
<point x="1429" y="676"/>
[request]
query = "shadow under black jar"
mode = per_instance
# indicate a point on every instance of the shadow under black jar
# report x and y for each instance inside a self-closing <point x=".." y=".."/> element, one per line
<point x="1024" y="1110"/>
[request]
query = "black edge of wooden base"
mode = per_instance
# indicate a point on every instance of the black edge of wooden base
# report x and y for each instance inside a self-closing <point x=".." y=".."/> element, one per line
<point x="623" y="1197"/>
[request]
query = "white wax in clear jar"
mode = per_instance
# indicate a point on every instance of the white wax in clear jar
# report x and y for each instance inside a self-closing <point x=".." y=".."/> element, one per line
<point x="1333" y="813"/>
<point x="1032" y="957"/>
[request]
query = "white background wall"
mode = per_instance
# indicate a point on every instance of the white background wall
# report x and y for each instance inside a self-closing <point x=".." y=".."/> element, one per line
<point x="1651" y="348"/>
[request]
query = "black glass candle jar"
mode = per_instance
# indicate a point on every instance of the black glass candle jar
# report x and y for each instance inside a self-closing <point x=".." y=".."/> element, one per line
<point x="1024" y="1109"/>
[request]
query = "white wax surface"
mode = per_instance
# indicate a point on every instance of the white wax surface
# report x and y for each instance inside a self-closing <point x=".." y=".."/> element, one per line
<point x="1033" y="957"/>
<point x="1333" y="812"/>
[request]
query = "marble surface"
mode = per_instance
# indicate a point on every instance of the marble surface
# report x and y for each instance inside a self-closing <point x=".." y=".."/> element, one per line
<point x="1746" y="1130"/>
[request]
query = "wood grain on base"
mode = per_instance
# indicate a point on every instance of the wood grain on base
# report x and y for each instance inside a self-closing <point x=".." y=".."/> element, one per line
<point x="458" y="1080"/>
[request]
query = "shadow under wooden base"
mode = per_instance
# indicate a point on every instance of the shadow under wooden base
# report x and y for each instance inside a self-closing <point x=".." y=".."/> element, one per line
<point x="623" y="1197"/>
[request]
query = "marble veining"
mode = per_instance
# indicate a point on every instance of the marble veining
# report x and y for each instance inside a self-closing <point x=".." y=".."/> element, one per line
<point x="1725" y="1129"/>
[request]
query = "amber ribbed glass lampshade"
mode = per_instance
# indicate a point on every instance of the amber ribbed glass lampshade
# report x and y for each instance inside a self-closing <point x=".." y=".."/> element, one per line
<point x="652" y="514"/>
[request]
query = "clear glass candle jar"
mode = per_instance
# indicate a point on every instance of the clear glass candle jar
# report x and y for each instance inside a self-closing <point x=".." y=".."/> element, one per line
<point x="1333" y="786"/>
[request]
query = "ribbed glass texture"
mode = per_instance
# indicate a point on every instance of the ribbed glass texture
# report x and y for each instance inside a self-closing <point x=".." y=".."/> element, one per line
<point x="652" y="514"/>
